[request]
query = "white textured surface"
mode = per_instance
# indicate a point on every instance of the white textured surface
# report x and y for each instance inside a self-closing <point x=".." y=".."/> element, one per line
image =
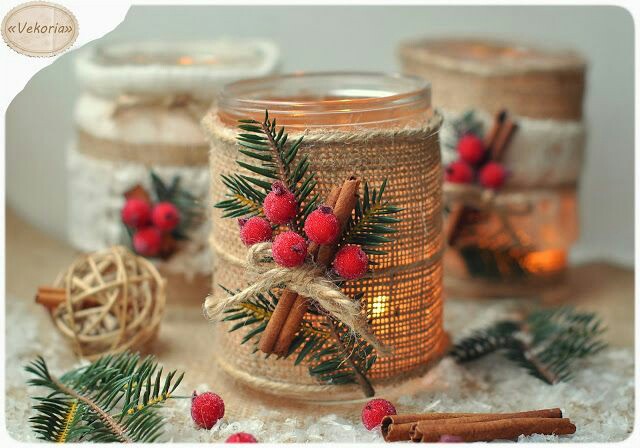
<point x="541" y="153"/>
<point x="96" y="191"/>
<point x="600" y="400"/>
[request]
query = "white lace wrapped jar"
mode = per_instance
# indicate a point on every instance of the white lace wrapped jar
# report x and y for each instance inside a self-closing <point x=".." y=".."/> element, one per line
<point x="139" y="112"/>
<point x="514" y="242"/>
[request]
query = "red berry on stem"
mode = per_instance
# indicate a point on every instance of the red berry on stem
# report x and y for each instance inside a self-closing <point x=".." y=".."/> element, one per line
<point x="206" y="409"/>
<point x="254" y="230"/>
<point x="322" y="226"/>
<point x="165" y="216"/>
<point x="241" y="437"/>
<point x="289" y="249"/>
<point x="492" y="175"/>
<point x="136" y="213"/>
<point x="280" y="205"/>
<point x="148" y="241"/>
<point x="374" y="411"/>
<point x="459" y="172"/>
<point x="351" y="262"/>
<point x="471" y="149"/>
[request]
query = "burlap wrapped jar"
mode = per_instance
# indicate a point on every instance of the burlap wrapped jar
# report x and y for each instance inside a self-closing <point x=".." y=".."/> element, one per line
<point x="140" y="110"/>
<point x="543" y="92"/>
<point x="372" y="126"/>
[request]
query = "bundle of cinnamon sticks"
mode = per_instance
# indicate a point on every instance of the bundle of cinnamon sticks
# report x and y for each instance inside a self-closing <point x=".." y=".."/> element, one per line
<point x="289" y="312"/>
<point x="474" y="427"/>
<point x="495" y="141"/>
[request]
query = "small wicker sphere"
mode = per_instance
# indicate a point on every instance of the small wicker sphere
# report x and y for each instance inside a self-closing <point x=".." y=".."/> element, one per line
<point x="114" y="301"/>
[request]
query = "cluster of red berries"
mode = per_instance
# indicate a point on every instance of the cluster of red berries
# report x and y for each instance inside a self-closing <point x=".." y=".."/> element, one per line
<point x="150" y="223"/>
<point x="290" y="248"/>
<point x="473" y="162"/>
<point x="207" y="408"/>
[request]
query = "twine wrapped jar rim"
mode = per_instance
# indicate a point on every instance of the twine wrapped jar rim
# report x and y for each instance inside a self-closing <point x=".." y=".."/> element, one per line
<point x="491" y="57"/>
<point x="329" y="99"/>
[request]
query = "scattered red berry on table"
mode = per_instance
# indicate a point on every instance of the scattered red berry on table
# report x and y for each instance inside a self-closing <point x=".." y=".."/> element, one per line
<point x="322" y="226"/>
<point x="136" y="213"/>
<point x="351" y="262"/>
<point x="148" y="241"/>
<point x="206" y="409"/>
<point x="289" y="249"/>
<point x="241" y="437"/>
<point x="471" y="149"/>
<point x="254" y="230"/>
<point x="280" y="205"/>
<point x="459" y="172"/>
<point x="374" y="411"/>
<point x="492" y="175"/>
<point x="165" y="216"/>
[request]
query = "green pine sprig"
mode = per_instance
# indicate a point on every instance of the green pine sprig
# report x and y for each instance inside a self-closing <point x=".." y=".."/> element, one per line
<point x="191" y="212"/>
<point x="545" y="343"/>
<point x="113" y="399"/>
<point x="272" y="157"/>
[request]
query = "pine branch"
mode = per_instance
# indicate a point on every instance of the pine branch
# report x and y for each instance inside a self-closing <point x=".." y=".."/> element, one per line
<point x="110" y="400"/>
<point x="545" y="343"/>
<point x="370" y="224"/>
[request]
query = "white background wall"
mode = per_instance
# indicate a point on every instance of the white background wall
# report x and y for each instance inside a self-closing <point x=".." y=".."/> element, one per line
<point x="361" y="38"/>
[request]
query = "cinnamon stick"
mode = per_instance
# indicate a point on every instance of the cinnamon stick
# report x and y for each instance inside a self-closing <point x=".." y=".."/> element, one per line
<point x="289" y="299"/>
<point x="502" y="140"/>
<point x="50" y="297"/>
<point x="138" y="192"/>
<point x="399" y="427"/>
<point x="454" y="223"/>
<point x="345" y="203"/>
<point x="490" y="137"/>
<point x="486" y="431"/>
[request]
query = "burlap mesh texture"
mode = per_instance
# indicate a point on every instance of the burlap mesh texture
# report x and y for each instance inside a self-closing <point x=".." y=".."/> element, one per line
<point x="409" y="278"/>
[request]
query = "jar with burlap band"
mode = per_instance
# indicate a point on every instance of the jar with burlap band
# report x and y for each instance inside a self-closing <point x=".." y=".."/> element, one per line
<point x="374" y="127"/>
<point x="139" y="111"/>
<point x="516" y="243"/>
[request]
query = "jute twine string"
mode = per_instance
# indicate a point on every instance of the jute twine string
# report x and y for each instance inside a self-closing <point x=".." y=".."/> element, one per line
<point x="309" y="280"/>
<point x="516" y="203"/>
<point x="114" y="300"/>
<point x="408" y="279"/>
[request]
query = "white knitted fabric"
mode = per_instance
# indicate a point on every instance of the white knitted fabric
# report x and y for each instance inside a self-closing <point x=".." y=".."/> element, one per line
<point x="149" y="70"/>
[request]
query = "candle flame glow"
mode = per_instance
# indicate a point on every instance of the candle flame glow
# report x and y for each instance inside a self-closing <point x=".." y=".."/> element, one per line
<point x="379" y="305"/>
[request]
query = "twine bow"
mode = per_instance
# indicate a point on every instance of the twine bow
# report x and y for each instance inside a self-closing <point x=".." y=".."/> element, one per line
<point x="195" y="107"/>
<point x="308" y="281"/>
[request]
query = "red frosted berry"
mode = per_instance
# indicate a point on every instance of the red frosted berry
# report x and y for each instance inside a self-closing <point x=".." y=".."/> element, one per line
<point x="148" y="241"/>
<point x="374" y="411"/>
<point x="351" y="262"/>
<point x="254" y="230"/>
<point x="459" y="172"/>
<point x="471" y="149"/>
<point x="492" y="175"/>
<point x="322" y="226"/>
<point x="136" y="213"/>
<point x="289" y="249"/>
<point x="241" y="437"/>
<point x="280" y="205"/>
<point x="206" y="409"/>
<point x="165" y="216"/>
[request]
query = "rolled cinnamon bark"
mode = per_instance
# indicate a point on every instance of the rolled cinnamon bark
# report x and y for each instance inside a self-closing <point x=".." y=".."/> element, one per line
<point x="490" y="137"/>
<point x="344" y="206"/>
<point x="502" y="139"/>
<point x="398" y="427"/>
<point x="486" y="431"/>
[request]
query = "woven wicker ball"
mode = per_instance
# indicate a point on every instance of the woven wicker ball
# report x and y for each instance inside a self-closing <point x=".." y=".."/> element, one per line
<point x="114" y="301"/>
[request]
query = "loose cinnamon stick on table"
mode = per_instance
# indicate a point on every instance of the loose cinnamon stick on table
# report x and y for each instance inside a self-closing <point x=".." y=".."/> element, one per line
<point x="344" y="206"/>
<point x="289" y="298"/>
<point x="454" y="223"/>
<point x="50" y="297"/>
<point x="399" y="427"/>
<point x="486" y="431"/>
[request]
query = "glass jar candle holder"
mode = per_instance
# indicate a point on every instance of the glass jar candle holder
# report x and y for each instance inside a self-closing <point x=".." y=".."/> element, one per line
<point x="375" y="127"/>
